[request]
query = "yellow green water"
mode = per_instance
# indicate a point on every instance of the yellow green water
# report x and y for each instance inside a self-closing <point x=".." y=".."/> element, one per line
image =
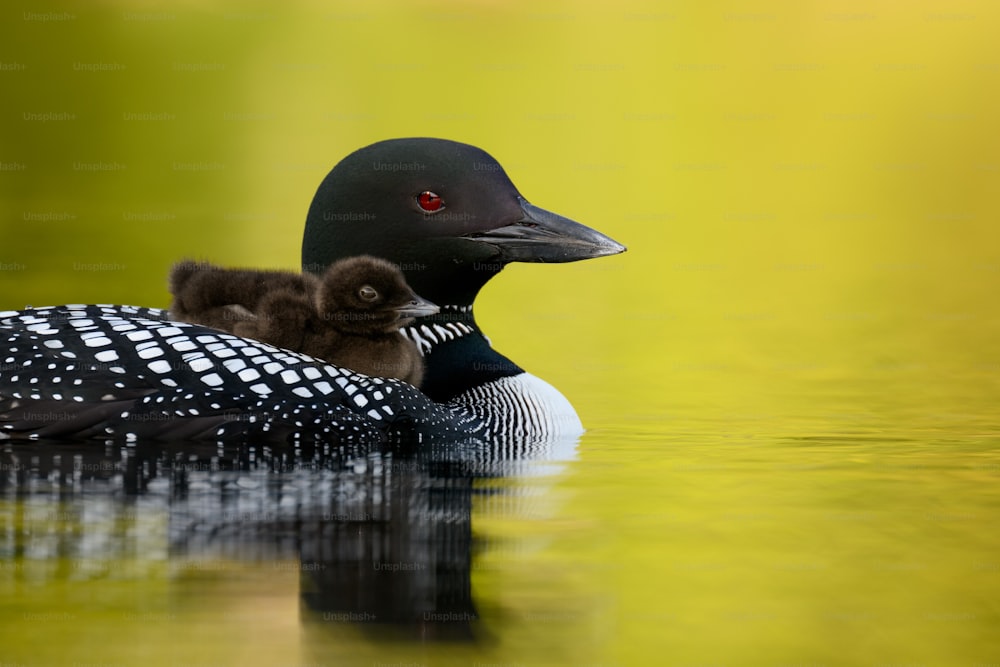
<point x="791" y="379"/>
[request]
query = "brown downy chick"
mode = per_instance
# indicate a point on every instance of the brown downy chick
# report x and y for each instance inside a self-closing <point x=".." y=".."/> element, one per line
<point x="350" y="317"/>
<point x="366" y="301"/>
<point x="228" y="299"/>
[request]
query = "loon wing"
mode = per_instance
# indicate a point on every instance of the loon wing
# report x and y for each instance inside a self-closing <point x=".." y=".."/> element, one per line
<point x="125" y="372"/>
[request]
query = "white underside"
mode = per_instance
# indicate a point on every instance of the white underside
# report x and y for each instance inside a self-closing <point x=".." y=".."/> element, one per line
<point x="522" y="406"/>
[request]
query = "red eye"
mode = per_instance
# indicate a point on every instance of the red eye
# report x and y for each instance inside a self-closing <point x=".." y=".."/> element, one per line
<point x="429" y="201"/>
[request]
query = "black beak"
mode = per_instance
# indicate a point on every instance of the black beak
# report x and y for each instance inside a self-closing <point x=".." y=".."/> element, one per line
<point x="417" y="307"/>
<point x="542" y="236"/>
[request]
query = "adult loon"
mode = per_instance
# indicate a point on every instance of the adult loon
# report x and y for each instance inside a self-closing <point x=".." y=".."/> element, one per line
<point x="349" y="317"/>
<point x="444" y="212"/>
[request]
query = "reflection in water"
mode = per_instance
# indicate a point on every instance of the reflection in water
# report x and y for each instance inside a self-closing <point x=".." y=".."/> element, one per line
<point x="397" y="550"/>
<point x="382" y="539"/>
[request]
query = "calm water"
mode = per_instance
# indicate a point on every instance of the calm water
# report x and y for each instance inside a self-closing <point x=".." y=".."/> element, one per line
<point x="791" y="380"/>
<point x="851" y="536"/>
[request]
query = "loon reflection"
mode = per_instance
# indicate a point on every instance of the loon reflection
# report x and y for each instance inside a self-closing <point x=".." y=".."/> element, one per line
<point x="382" y="539"/>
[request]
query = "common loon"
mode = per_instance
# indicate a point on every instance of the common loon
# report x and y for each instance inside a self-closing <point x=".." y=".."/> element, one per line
<point x="444" y="212"/>
<point x="349" y="317"/>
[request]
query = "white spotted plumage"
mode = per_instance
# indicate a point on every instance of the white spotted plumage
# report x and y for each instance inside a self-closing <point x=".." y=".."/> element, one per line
<point x="158" y="378"/>
<point x="172" y="372"/>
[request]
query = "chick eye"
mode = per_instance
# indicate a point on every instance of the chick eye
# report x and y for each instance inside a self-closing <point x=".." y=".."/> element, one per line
<point x="368" y="293"/>
<point x="430" y="202"/>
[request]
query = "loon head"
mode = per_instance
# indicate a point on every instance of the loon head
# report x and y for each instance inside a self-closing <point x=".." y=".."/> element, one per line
<point x="445" y="212"/>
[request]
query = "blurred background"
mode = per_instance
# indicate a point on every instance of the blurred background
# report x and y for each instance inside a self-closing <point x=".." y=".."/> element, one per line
<point x="771" y="166"/>
<point x="808" y="191"/>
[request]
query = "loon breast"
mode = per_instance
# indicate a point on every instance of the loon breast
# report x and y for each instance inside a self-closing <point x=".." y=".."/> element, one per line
<point x="521" y="406"/>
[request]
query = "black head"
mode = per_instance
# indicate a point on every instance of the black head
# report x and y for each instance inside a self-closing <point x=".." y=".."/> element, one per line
<point x="367" y="295"/>
<point x="445" y="212"/>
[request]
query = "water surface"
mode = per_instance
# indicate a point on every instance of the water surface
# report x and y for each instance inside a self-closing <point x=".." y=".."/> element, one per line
<point x="850" y="535"/>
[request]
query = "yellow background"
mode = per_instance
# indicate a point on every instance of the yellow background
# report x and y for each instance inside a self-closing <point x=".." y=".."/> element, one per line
<point x="809" y="194"/>
<point x="831" y="165"/>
